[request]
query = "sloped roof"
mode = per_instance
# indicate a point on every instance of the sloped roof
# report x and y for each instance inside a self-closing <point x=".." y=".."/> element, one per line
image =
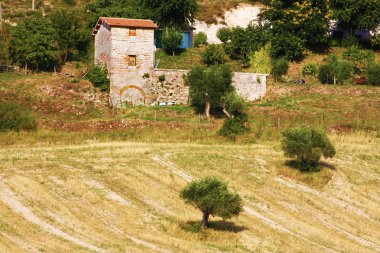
<point x="125" y="22"/>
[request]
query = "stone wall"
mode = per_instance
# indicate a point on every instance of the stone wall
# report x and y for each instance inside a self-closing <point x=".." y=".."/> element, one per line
<point x="168" y="86"/>
<point x="103" y="46"/>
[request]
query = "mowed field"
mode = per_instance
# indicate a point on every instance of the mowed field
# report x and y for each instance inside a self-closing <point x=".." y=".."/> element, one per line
<point x="124" y="197"/>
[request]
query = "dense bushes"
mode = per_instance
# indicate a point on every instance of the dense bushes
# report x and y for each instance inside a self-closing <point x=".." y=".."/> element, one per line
<point x="98" y="76"/>
<point x="335" y="71"/>
<point x="307" y="146"/>
<point x="200" y="39"/>
<point x="373" y="74"/>
<point x="280" y="67"/>
<point x="213" y="55"/>
<point x="360" y="58"/>
<point x="235" y="108"/>
<point x="309" y="69"/>
<point x="261" y="61"/>
<point x="14" y="117"/>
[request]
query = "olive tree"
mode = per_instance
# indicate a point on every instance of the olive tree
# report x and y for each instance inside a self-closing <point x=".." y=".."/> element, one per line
<point x="208" y="86"/>
<point x="212" y="197"/>
<point x="307" y="145"/>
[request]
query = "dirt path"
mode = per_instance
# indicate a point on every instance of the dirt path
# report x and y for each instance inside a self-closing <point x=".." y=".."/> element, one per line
<point x="8" y="197"/>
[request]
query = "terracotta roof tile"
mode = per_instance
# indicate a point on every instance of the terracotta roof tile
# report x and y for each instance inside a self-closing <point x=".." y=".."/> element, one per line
<point x="124" y="22"/>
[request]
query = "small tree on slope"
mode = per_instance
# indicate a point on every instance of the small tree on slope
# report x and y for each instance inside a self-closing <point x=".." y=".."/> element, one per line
<point x="212" y="197"/>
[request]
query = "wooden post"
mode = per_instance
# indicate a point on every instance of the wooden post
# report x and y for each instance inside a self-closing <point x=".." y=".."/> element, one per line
<point x="33" y="6"/>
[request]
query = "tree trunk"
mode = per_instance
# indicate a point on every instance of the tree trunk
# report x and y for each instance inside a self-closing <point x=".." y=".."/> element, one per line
<point x="208" y="106"/>
<point x="205" y="219"/>
<point x="227" y="114"/>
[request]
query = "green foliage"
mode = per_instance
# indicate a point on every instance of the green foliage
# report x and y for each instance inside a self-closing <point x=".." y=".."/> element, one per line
<point x="373" y="74"/>
<point x="353" y="15"/>
<point x="171" y="40"/>
<point x="307" y="146"/>
<point x="360" y="58"/>
<point x="375" y="40"/>
<point x="224" y="34"/>
<point x="309" y="69"/>
<point x="286" y="45"/>
<point x="214" y="83"/>
<point x="232" y="127"/>
<point x="172" y="13"/>
<point x="98" y="76"/>
<point x="334" y="70"/>
<point x="241" y="42"/>
<point x="234" y="104"/>
<point x="280" y="67"/>
<point x="261" y="61"/>
<point x="213" y="55"/>
<point x="301" y="20"/>
<point x="15" y="118"/>
<point x="200" y="39"/>
<point x="70" y="2"/>
<point x="212" y="197"/>
<point x="117" y="9"/>
<point x="34" y="42"/>
<point x="72" y="37"/>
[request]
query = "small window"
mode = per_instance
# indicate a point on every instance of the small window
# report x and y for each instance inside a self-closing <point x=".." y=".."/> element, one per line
<point x="132" y="32"/>
<point x="131" y="60"/>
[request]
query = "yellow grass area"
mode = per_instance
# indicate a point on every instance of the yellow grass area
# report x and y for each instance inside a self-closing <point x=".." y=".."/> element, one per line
<point x="124" y="197"/>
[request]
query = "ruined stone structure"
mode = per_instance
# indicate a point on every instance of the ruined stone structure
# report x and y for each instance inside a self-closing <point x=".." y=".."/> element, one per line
<point x="126" y="48"/>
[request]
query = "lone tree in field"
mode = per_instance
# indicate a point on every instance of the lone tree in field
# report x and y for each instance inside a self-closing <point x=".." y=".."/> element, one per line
<point x="307" y="146"/>
<point x="212" y="197"/>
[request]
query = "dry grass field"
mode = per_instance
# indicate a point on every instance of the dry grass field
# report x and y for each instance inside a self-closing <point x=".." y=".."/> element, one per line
<point x="124" y="197"/>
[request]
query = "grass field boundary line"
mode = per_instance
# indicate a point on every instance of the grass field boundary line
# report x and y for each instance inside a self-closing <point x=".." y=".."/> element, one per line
<point x="148" y="244"/>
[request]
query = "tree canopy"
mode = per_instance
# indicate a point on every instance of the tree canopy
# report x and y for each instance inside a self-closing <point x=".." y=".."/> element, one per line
<point x="208" y="86"/>
<point x="212" y="197"/>
<point x="34" y="42"/>
<point x="72" y="37"/>
<point x="172" y="13"/>
<point x="353" y="14"/>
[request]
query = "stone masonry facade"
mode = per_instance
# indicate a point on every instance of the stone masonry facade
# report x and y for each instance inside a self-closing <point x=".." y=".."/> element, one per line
<point x="128" y="53"/>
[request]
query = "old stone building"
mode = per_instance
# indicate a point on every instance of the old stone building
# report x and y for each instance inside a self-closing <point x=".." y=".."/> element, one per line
<point x="126" y="47"/>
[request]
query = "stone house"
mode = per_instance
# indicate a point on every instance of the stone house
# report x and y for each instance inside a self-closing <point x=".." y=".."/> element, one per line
<point x="126" y="47"/>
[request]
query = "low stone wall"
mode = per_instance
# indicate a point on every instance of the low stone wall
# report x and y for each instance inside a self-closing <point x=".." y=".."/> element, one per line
<point x="168" y="85"/>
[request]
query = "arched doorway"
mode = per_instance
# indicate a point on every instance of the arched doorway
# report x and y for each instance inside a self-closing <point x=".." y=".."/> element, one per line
<point x="132" y="94"/>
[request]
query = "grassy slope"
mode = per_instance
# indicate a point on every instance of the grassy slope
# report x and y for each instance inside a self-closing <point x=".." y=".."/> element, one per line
<point x="125" y="197"/>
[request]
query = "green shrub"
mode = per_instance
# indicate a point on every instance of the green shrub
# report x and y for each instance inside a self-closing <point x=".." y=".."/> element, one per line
<point x="286" y="45"/>
<point x="232" y="127"/>
<point x="360" y="58"/>
<point x="98" y="76"/>
<point x="212" y="197"/>
<point x="14" y="117"/>
<point x="307" y="146"/>
<point x="280" y="67"/>
<point x="261" y="61"/>
<point x="224" y="34"/>
<point x="171" y="40"/>
<point x="373" y="74"/>
<point x="214" y="55"/>
<point x="200" y="39"/>
<point x="335" y="71"/>
<point x="309" y="69"/>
